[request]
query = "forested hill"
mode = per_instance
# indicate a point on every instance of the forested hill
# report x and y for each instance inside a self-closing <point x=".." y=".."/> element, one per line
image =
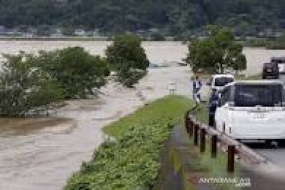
<point x="169" y="16"/>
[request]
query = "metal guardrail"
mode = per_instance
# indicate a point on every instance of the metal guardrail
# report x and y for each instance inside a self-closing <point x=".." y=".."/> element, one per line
<point x="199" y="132"/>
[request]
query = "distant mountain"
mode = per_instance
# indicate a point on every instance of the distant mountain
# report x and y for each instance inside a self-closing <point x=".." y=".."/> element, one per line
<point x="171" y="17"/>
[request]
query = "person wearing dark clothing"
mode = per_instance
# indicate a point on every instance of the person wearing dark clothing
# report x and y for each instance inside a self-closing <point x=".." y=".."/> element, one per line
<point x="213" y="104"/>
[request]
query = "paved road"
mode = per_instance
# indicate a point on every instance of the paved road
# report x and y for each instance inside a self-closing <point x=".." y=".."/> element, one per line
<point x="282" y="78"/>
<point x="275" y="155"/>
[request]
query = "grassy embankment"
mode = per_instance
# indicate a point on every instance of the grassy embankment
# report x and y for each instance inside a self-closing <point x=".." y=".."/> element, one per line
<point x="206" y="77"/>
<point x="278" y="43"/>
<point x="132" y="161"/>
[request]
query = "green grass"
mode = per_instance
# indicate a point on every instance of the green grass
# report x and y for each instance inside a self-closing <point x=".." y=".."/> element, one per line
<point x="278" y="43"/>
<point x="132" y="160"/>
<point x="204" y="163"/>
<point x="250" y="77"/>
<point x="170" y="109"/>
<point x="192" y="164"/>
<point x="202" y="113"/>
<point x="206" y="77"/>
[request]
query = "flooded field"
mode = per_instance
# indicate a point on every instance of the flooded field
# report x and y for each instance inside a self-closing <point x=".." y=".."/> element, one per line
<point x="42" y="153"/>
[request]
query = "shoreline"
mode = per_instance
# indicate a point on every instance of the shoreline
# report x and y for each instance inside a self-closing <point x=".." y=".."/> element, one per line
<point x="54" y="39"/>
<point x="245" y="44"/>
<point x="109" y="39"/>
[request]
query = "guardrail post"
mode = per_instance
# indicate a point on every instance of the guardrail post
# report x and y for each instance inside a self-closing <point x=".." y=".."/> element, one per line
<point x="191" y="127"/>
<point x="202" y="140"/>
<point x="188" y="123"/>
<point x="187" y="120"/>
<point x="196" y="128"/>
<point x="214" y="142"/>
<point x="231" y="158"/>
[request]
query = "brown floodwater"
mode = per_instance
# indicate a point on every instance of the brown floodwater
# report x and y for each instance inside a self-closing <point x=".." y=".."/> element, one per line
<point x="25" y="146"/>
<point x="42" y="153"/>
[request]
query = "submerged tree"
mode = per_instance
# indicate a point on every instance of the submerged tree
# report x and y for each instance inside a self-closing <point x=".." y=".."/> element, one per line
<point x="29" y="83"/>
<point x="217" y="53"/>
<point x="128" y="59"/>
<point x="25" y="88"/>
<point x="75" y="70"/>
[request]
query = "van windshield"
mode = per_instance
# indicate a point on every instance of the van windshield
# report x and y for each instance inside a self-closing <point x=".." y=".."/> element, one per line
<point x="222" y="81"/>
<point x="258" y="95"/>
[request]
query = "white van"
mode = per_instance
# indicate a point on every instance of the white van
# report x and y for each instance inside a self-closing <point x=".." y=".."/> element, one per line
<point x="220" y="80"/>
<point x="252" y="110"/>
<point x="217" y="82"/>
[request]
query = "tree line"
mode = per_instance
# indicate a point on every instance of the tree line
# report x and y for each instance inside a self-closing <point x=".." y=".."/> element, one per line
<point x="170" y="17"/>
<point x="31" y="83"/>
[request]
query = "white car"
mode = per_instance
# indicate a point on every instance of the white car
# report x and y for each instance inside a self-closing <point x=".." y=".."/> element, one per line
<point x="252" y="110"/>
<point x="220" y="80"/>
<point x="217" y="82"/>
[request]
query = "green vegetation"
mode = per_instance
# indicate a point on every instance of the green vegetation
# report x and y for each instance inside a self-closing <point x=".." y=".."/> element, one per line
<point x="217" y="53"/>
<point x="255" y="43"/>
<point x="131" y="161"/>
<point x="250" y="77"/>
<point x="203" y="164"/>
<point x="31" y="83"/>
<point x="128" y="59"/>
<point x="271" y="43"/>
<point x="75" y="70"/>
<point x="25" y="87"/>
<point x="278" y="43"/>
<point x="176" y="18"/>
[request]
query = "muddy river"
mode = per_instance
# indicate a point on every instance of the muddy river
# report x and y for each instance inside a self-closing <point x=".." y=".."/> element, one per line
<point x="42" y="153"/>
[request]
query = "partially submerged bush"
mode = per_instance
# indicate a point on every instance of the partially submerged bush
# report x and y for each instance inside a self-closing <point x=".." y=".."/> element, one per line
<point x="75" y="70"/>
<point x="25" y="87"/>
<point x="29" y="83"/>
<point x="128" y="59"/>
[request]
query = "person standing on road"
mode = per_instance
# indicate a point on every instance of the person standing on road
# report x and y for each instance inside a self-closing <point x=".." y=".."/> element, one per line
<point x="197" y="85"/>
<point x="213" y="104"/>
